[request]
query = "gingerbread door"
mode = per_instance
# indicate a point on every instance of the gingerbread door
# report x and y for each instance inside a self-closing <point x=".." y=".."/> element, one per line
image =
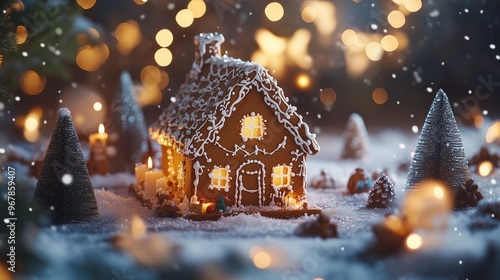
<point x="250" y="184"/>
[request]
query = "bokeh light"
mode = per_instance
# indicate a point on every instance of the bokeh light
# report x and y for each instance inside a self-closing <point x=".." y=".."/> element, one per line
<point x="184" y="18"/>
<point x="128" y="35"/>
<point x="349" y="37"/>
<point x="493" y="133"/>
<point x="412" y="5"/>
<point x="389" y="43"/>
<point x="163" y="57"/>
<point x="374" y="51"/>
<point x="396" y="19"/>
<point x="21" y="34"/>
<point x="380" y="96"/>
<point x="303" y="81"/>
<point x="140" y="2"/>
<point x="414" y="241"/>
<point x="32" y="83"/>
<point x="262" y="260"/>
<point x="164" y="38"/>
<point x="91" y="58"/>
<point x="485" y="168"/>
<point x="197" y="7"/>
<point x="86" y="4"/>
<point x="274" y="11"/>
<point x="309" y="14"/>
<point x="97" y="106"/>
<point x="328" y="96"/>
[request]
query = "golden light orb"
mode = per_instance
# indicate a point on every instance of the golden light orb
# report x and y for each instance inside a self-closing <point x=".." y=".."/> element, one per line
<point x="274" y="11"/>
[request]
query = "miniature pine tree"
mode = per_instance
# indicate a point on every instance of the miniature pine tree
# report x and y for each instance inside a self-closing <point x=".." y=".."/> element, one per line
<point x="64" y="186"/>
<point x="355" y="138"/>
<point x="221" y="205"/>
<point x="382" y="193"/>
<point x="132" y="141"/>
<point x="440" y="154"/>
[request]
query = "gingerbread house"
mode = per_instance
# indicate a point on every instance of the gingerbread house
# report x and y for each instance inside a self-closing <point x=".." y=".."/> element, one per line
<point x="230" y="130"/>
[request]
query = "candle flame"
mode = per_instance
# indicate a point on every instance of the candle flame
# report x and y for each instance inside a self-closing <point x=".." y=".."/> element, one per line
<point x="138" y="227"/>
<point x="101" y="128"/>
<point x="150" y="163"/>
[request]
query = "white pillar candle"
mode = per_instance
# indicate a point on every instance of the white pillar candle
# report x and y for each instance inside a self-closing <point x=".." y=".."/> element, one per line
<point x="140" y="172"/>
<point x="150" y="180"/>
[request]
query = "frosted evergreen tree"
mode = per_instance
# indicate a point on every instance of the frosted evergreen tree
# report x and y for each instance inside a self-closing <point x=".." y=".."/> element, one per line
<point x="440" y="154"/>
<point x="129" y="124"/>
<point x="64" y="187"/>
<point x="355" y="138"/>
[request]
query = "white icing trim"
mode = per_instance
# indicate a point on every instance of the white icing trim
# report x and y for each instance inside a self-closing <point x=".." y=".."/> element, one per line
<point x="256" y="151"/>
<point x="261" y="175"/>
<point x="198" y="171"/>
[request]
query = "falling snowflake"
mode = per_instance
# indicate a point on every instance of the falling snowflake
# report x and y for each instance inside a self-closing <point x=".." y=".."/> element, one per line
<point x="67" y="179"/>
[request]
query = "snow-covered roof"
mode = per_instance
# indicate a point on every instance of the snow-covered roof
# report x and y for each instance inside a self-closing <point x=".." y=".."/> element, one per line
<point x="204" y="102"/>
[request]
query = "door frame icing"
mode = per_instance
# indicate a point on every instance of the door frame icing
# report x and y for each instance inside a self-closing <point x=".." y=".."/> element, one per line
<point x="261" y="175"/>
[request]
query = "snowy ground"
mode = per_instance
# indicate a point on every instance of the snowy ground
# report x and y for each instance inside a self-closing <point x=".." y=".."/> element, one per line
<point x="223" y="249"/>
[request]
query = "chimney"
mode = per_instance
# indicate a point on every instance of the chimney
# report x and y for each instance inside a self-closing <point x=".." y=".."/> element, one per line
<point x="207" y="45"/>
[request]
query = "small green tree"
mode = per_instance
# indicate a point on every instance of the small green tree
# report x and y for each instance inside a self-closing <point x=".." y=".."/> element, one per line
<point x="221" y="205"/>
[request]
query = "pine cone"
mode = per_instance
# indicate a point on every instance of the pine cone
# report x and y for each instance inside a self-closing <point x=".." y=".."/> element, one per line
<point x="467" y="195"/>
<point x="382" y="193"/>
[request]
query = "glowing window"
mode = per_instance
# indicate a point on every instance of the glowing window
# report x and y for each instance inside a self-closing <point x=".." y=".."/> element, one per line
<point x="281" y="176"/>
<point x="220" y="178"/>
<point x="252" y="127"/>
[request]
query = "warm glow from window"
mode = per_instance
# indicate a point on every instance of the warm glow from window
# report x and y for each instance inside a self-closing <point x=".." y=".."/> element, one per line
<point x="414" y="241"/>
<point x="220" y="178"/>
<point x="252" y="127"/>
<point x="485" y="168"/>
<point x="396" y="19"/>
<point x="281" y="176"/>
<point x="274" y="11"/>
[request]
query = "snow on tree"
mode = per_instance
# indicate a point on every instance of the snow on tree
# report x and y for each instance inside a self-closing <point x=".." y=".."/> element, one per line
<point x="355" y="138"/>
<point x="382" y="193"/>
<point x="440" y="154"/>
<point x="129" y="124"/>
<point x="64" y="187"/>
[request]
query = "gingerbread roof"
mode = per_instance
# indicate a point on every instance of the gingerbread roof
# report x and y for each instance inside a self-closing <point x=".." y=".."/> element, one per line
<point x="204" y="102"/>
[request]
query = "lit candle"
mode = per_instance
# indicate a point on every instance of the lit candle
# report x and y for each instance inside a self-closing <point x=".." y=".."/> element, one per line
<point x="150" y="180"/>
<point x="140" y="172"/>
<point x="98" y="162"/>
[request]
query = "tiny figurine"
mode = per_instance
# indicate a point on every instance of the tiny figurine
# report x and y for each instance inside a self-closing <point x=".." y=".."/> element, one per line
<point x="355" y="138"/>
<point x="382" y="193"/>
<point x="359" y="182"/>
<point x="233" y="132"/>
<point x="323" y="181"/>
<point x="64" y="188"/>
